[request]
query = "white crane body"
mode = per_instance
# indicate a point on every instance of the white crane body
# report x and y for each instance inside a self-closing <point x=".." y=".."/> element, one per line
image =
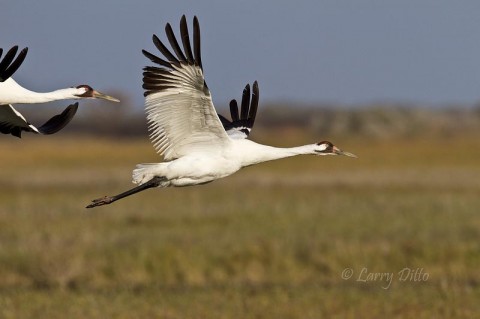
<point x="209" y="165"/>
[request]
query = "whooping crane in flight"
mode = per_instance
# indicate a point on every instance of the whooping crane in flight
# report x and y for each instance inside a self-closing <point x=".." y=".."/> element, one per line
<point x="198" y="146"/>
<point x="12" y="121"/>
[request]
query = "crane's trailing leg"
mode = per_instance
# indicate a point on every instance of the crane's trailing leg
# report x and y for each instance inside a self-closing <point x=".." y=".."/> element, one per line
<point x="154" y="182"/>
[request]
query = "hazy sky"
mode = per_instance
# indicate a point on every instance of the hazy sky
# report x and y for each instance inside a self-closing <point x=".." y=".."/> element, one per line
<point x="341" y="51"/>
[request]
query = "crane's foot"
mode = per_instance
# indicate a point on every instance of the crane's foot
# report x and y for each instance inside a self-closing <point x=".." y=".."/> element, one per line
<point x="101" y="201"/>
<point x="154" y="182"/>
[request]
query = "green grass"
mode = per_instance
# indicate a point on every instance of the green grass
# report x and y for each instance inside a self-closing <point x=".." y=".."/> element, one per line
<point x="271" y="241"/>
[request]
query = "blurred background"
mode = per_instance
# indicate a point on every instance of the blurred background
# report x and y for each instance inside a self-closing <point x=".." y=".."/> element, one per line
<point x="395" y="83"/>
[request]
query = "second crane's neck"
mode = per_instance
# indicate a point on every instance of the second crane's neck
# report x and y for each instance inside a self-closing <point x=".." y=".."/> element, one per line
<point x="11" y="93"/>
<point x="252" y="153"/>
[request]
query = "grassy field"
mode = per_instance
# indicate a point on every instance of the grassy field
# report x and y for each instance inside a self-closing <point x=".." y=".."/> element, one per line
<point x="274" y="241"/>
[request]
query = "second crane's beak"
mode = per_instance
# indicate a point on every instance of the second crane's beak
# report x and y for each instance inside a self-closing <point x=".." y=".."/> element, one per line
<point x="338" y="151"/>
<point x="100" y="95"/>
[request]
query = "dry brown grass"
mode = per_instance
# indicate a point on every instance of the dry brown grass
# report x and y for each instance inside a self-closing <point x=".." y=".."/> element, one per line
<point x="269" y="242"/>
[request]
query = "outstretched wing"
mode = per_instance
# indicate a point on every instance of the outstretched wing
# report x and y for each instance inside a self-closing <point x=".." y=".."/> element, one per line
<point x="13" y="122"/>
<point x="241" y="124"/>
<point x="178" y="103"/>
<point x="59" y="121"/>
<point x="9" y="65"/>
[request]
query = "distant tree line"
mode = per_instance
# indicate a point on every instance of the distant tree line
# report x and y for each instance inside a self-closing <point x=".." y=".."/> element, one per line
<point x="376" y="121"/>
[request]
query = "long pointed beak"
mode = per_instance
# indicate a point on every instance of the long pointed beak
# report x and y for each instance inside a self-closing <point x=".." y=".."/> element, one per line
<point x="100" y="95"/>
<point x="340" y="152"/>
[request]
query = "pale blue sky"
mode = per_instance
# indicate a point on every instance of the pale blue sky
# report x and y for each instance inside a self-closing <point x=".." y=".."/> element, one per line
<point x="340" y="51"/>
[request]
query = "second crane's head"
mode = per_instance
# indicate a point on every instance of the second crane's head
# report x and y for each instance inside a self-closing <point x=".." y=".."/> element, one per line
<point x="327" y="148"/>
<point x="86" y="92"/>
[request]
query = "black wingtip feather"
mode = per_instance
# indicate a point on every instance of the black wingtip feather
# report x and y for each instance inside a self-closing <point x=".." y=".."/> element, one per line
<point x="186" y="40"/>
<point x="59" y="121"/>
<point x="234" y="111"/>
<point x="162" y="48"/>
<point x="156" y="59"/>
<point x="8" y="57"/>
<point x="174" y="43"/>
<point x="245" y="102"/>
<point x="253" y="105"/>
<point x="7" y="67"/>
<point x="197" y="42"/>
<point x="8" y="128"/>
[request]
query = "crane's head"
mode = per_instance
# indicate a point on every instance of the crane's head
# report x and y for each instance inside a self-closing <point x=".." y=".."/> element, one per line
<point x="327" y="148"/>
<point x="86" y="92"/>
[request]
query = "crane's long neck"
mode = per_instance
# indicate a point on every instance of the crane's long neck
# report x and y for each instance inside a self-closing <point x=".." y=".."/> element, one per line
<point x="252" y="153"/>
<point x="18" y="94"/>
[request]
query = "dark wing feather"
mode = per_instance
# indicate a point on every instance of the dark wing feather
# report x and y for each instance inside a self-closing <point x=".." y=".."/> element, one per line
<point x="8" y="66"/>
<point x="234" y="111"/>
<point x="155" y="59"/>
<point x="59" y="121"/>
<point x="186" y="40"/>
<point x="241" y="125"/>
<point x="253" y="105"/>
<point x="227" y="125"/>
<point x="245" y="102"/>
<point x="196" y="42"/>
<point x="162" y="48"/>
<point x="7" y="128"/>
<point x="174" y="43"/>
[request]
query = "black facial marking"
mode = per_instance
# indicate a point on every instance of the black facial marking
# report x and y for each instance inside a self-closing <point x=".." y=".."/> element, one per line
<point x="88" y="90"/>
<point x="328" y="149"/>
